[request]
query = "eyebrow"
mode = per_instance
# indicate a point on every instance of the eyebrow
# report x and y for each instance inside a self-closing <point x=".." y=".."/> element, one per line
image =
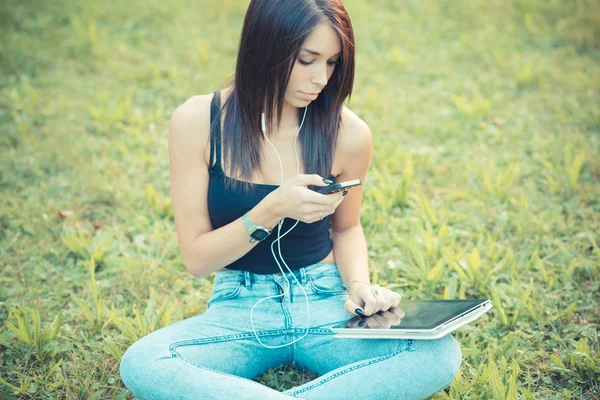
<point x="316" y="53"/>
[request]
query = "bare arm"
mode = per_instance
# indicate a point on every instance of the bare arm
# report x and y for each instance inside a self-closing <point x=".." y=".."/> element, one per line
<point x="203" y="249"/>
<point x="218" y="248"/>
<point x="348" y="238"/>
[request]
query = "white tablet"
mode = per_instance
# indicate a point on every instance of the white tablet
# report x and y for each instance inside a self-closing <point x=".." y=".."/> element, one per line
<point x="423" y="319"/>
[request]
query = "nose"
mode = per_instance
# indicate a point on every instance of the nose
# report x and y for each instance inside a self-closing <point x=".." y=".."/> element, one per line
<point x="319" y="77"/>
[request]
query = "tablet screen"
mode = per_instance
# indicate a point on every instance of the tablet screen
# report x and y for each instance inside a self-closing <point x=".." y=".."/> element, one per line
<point x="423" y="314"/>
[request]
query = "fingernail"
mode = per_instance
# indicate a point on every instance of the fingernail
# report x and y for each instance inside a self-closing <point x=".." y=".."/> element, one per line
<point x="327" y="181"/>
<point x="359" y="312"/>
<point x="362" y="323"/>
<point x="345" y="192"/>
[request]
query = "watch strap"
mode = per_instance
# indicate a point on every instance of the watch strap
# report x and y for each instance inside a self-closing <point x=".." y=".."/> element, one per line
<point x="251" y="227"/>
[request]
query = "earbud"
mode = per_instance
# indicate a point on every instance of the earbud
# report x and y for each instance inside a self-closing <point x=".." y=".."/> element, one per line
<point x="263" y="123"/>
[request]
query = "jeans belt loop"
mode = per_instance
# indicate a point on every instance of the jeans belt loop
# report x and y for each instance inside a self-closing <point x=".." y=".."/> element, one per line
<point x="247" y="279"/>
<point x="303" y="276"/>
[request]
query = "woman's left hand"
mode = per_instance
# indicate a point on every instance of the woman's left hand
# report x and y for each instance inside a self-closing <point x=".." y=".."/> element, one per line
<point x="371" y="299"/>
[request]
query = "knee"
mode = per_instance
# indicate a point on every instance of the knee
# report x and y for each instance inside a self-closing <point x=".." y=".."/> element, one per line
<point x="127" y="366"/>
<point x="132" y="367"/>
<point x="449" y="357"/>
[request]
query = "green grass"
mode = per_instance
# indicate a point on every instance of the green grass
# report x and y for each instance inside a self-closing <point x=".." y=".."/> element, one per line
<point x="485" y="181"/>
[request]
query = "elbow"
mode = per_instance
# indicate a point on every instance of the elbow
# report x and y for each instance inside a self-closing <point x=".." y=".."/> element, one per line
<point x="193" y="263"/>
<point x="195" y="267"/>
<point x="197" y="259"/>
<point x="350" y="228"/>
<point x="189" y="252"/>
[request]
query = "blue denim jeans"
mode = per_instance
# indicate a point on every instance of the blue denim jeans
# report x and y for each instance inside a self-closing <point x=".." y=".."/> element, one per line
<point x="216" y="355"/>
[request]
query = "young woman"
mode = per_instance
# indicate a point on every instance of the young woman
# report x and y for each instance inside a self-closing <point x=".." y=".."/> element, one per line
<point x="244" y="163"/>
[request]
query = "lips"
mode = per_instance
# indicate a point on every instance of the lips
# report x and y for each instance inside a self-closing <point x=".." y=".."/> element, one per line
<point x="311" y="97"/>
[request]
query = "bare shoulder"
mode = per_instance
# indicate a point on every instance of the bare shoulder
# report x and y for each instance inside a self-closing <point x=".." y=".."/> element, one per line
<point x="190" y="123"/>
<point x="193" y="111"/>
<point x="355" y="134"/>
<point x="189" y="129"/>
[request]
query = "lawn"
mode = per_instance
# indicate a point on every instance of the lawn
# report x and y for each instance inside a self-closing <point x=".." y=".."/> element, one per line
<point x="485" y="181"/>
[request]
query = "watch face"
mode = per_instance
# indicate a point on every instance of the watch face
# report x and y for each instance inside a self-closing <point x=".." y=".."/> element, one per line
<point x="259" y="234"/>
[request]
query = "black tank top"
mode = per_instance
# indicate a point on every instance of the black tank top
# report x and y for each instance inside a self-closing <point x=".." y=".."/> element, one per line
<point x="305" y="245"/>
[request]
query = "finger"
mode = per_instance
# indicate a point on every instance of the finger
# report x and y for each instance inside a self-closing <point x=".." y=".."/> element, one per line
<point x="335" y="197"/>
<point x="324" y="199"/>
<point x="390" y="297"/>
<point x="339" y="201"/>
<point x="321" y="211"/>
<point x="369" y="300"/>
<point x="381" y="298"/>
<point x="319" y="215"/>
<point x="321" y="199"/>
<point x="384" y="296"/>
<point x="324" y="209"/>
<point x="396" y="297"/>
<point x="351" y="306"/>
<point x="311" y="179"/>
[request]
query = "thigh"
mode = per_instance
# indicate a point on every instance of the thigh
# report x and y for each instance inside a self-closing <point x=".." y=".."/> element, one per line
<point x="214" y="339"/>
<point x="321" y="353"/>
<point x="379" y="368"/>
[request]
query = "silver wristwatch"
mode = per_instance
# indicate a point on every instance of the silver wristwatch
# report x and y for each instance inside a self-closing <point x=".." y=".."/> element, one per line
<point x="257" y="233"/>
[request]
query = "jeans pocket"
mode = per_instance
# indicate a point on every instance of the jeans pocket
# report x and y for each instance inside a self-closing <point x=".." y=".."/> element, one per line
<point x="222" y="291"/>
<point x="327" y="285"/>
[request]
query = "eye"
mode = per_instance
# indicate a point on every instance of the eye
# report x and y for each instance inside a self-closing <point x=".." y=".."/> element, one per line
<point x="336" y="62"/>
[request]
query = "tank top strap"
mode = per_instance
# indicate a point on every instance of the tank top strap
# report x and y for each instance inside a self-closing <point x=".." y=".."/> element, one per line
<point x="215" y="132"/>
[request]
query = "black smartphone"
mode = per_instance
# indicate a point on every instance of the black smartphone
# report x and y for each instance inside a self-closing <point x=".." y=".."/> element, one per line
<point x="336" y="187"/>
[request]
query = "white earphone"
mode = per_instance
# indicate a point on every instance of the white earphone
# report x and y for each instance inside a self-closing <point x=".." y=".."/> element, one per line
<point x="278" y="240"/>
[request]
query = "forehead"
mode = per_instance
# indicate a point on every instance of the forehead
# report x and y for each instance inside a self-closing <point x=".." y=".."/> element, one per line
<point x="324" y="39"/>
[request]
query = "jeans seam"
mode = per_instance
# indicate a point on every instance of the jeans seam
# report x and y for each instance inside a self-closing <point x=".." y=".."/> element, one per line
<point x="184" y="359"/>
<point x="365" y="364"/>
<point x="320" y="291"/>
<point x="232" y="295"/>
<point x="284" y="309"/>
<point x="223" y="338"/>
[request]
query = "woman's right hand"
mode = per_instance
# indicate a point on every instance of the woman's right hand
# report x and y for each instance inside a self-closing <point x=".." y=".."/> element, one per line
<point x="294" y="200"/>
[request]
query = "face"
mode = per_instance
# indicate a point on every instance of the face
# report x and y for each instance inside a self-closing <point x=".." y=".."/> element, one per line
<point x="312" y="71"/>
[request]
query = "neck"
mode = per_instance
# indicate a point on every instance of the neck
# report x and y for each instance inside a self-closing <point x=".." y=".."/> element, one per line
<point x="290" y="123"/>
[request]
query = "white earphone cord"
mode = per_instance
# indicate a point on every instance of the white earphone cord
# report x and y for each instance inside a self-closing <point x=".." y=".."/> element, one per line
<point x="278" y="240"/>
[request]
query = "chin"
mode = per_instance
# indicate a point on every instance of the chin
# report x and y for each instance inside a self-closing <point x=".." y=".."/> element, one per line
<point x="298" y="103"/>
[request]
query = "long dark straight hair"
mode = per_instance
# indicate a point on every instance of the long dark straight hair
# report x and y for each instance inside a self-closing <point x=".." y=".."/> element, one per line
<point x="272" y="36"/>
